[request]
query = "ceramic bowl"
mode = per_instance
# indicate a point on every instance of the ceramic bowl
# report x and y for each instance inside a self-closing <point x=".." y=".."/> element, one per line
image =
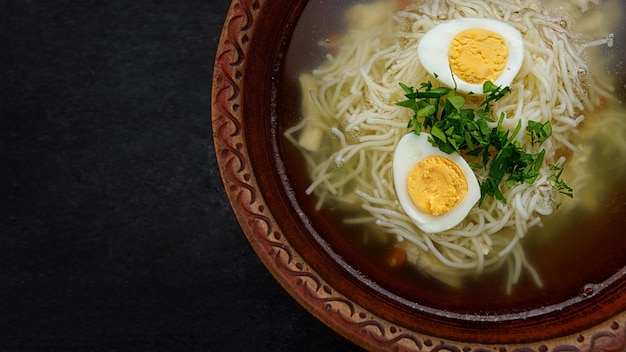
<point x="252" y="102"/>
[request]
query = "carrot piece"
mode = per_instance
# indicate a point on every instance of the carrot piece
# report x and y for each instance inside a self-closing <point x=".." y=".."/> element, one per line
<point x="396" y="257"/>
<point x="403" y="4"/>
<point x="333" y="42"/>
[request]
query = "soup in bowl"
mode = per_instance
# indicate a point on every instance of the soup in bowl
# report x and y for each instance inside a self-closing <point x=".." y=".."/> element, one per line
<point x="408" y="186"/>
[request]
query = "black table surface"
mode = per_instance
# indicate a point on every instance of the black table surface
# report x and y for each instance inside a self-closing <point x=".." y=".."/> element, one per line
<point x="115" y="231"/>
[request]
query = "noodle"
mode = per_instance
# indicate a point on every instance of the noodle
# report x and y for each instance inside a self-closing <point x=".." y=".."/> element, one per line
<point x="355" y="101"/>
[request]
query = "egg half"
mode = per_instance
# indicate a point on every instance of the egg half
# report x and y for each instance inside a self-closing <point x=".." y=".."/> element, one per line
<point x="471" y="51"/>
<point x="436" y="190"/>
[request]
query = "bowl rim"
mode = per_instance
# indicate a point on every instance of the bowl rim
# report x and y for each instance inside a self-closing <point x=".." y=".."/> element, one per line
<point x="308" y="283"/>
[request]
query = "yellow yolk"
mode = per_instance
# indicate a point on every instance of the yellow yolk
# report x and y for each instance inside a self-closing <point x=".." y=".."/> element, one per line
<point x="478" y="55"/>
<point x="436" y="185"/>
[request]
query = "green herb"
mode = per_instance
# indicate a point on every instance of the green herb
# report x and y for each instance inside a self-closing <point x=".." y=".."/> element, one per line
<point x="495" y="94"/>
<point x="453" y="128"/>
<point x="539" y="132"/>
<point x="558" y="184"/>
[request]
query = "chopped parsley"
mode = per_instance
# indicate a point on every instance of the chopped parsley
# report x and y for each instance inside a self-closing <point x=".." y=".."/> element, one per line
<point x="558" y="184"/>
<point x="453" y="128"/>
<point x="539" y="132"/>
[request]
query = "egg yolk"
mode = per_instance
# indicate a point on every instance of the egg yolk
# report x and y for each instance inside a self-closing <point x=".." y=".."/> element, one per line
<point x="436" y="185"/>
<point x="477" y="55"/>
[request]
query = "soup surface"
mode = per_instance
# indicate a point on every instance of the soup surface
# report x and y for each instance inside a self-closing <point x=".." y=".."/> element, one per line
<point x="575" y="250"/>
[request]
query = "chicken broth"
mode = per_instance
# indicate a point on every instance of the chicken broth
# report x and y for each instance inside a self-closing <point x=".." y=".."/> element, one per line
<point x="573" y="251"/>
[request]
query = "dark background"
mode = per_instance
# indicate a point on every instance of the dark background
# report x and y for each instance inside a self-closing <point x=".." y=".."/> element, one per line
<point x="115" y="231"/>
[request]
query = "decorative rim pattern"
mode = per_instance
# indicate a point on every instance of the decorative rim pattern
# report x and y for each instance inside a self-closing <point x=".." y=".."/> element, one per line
<point x="302" y="281"/>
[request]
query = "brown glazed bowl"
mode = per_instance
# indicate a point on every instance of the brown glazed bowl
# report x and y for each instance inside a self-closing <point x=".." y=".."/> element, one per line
<point x="250" y="104"/>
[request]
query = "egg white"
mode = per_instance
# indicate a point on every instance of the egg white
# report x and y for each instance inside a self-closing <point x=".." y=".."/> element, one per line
<point x="434" y="46"/>
<point x="412" y="149"/>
